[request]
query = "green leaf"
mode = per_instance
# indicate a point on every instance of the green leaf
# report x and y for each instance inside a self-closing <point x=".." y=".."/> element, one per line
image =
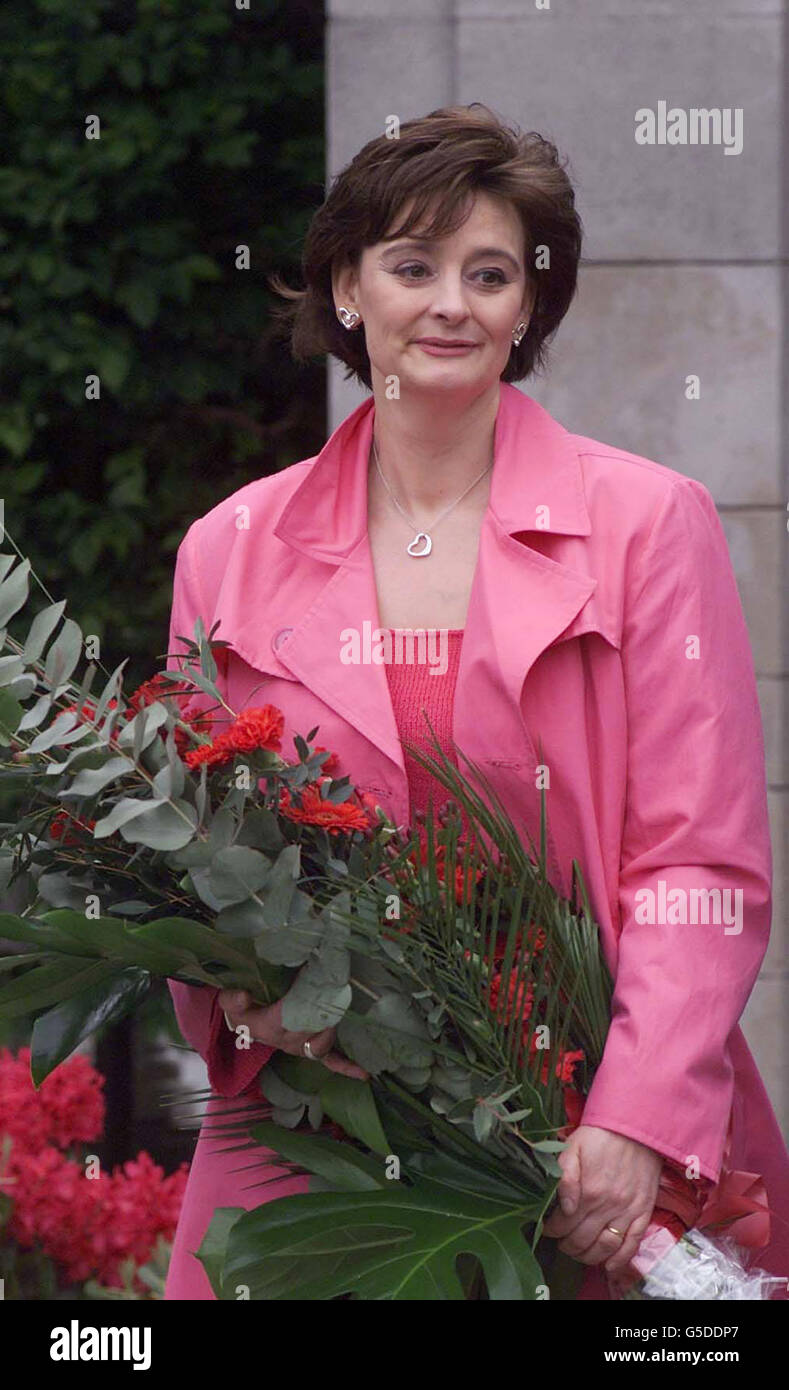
<point x="143" y="728"/>
<point x="350" y="1103"/>
<point x="260" y="830"/>
<point x="281" y="884"/>
<point x="191" y="676"/>
<point x="41" y="629"/>
<point x="64" y="654"/>
<point x="14" y="591"/>
<point x="348" y="1100"/>
<point x="321" y="992"/>
<point x="236" y="873"/>
<point x="110" y="938"/>
<point x="11" y="668"/>
<point x="48" y="984"/>
<point x="205" y="944"/>
<point x="140" y="300"/>
<point x="344" y="1167"/>
<point x="289" y="941"/>
<point x="6" y="868"/>
<point x="399" y="1244"/>
<point x="90" y="781"/>
<point x="124" y="810"/>
<point x="11" y="713"/>
<point x="213" y="1246"/>
<point x="273" y="1088"/>
<point x="242" y="919"/>
<point x="161" y="825"/>
<point x="393" y="1024"/>
<point x="56" y="1034"/>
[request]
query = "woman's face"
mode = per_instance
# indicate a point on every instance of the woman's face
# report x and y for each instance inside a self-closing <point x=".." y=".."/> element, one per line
<point x="469" y="286"/>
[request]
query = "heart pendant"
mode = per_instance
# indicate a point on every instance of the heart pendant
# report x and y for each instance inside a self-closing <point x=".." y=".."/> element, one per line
<point x="420" y="536"/>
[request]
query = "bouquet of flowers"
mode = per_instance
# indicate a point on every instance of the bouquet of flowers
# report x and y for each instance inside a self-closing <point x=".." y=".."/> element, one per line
<point x="166" y="837"/>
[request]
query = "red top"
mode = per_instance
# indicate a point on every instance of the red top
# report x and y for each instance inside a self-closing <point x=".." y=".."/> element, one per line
<point x="427" y="686"/>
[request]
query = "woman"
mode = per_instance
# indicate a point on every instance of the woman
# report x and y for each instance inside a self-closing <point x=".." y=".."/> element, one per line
<point x="583" y="596"/>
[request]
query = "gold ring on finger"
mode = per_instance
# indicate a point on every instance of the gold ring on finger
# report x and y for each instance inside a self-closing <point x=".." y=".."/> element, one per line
<point x="616" y="1232"/>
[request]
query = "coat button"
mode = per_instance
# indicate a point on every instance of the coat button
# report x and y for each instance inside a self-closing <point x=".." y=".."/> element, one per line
<point x="279" y="637"/>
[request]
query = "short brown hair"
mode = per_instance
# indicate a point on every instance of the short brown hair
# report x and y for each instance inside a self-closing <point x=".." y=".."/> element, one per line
<point x="440" y="158"/>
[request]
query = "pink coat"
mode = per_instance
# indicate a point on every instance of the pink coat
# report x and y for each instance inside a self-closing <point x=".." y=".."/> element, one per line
<point x="605" y="621"/>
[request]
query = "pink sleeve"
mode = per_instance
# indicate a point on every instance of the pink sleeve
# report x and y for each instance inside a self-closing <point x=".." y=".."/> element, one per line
<point x="696" y="824"/>
<point x="231" y="1070"/>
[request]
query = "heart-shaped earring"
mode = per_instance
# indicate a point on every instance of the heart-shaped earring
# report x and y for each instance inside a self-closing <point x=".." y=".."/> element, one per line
<point x="348" y="317"/>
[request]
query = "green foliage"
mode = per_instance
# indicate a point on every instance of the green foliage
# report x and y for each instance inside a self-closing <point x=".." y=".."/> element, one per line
<point x="397" y="1242"/>
<point x="118" y="260"/>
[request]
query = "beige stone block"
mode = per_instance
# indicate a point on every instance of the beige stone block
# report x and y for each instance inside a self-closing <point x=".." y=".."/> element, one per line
<point x="773" y="703"/>
<point x="621" y="361"/>
<point x="628" y="353"/>
<point x="777" y="957"/>
<point x="756" y="541"/>
<point x="765" y="1024"/>
<point x="580" y="74"/>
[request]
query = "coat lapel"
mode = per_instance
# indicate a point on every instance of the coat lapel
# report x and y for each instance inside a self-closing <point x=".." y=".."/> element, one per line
<point x="521" y="600"/>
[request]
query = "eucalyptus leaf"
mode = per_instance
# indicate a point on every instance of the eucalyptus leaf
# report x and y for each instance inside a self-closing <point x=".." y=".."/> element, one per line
<point x="287" y="1118"/>
<point x="90" y="781"/>
<point x="57" y="731"/>
<point x="64" y="653"/>
<point x="279" y="1092"/>
<point x="127" y="809"/>
<point x="143" y="728"/>
<point x="14" y="590"/>
<point x="34" y="716"/>
<point x="163" y="825"/>
<point x="11" y="713"/>
<point x="110" y="692"/>
<point x="11" y="667"/>
<point x="41" y="629"/>
<point x="236" y="873"/>
<point x="259" y="830"/>
<point x="169" y="781"/>
<point x="242" y="919"/>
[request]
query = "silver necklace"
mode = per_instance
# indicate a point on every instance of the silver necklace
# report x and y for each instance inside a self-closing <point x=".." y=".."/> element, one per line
<point x="423" y="536"/>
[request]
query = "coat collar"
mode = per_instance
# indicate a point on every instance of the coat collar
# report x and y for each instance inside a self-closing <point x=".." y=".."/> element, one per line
<point x="536" y="482"/>
<point x="521" y="600"/>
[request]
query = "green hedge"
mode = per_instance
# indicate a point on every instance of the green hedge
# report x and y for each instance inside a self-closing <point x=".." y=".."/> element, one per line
<point x="118" y="259"/>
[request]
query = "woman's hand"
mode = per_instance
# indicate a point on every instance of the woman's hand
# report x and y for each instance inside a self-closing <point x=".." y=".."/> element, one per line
<point x="607" y="1179"/>
<point x="265" y="1025"/>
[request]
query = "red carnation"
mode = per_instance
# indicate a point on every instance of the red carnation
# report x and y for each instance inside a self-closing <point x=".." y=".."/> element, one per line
<point x="253" y="729"/>
<point x="66" y="828"/>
